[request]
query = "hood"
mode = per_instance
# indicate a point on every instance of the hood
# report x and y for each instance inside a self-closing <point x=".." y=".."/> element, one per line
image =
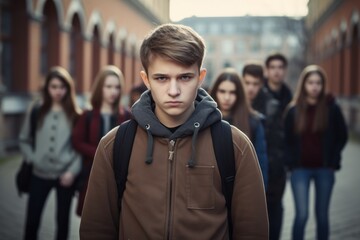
<point x="204" y="115"/>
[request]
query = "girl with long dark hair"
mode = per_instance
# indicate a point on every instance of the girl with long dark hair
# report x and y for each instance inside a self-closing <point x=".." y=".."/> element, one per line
<point x="93" y="124"/>
<point x="315" y="134"/>
<point x="55" y="162"/>
<point x="229" y="93"/>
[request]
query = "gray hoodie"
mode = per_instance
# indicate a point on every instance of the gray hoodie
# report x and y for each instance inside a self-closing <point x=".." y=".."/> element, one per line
<point x="204" y="115"/>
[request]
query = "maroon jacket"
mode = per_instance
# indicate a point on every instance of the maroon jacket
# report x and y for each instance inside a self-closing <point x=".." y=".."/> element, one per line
<point x="85" y="138"/>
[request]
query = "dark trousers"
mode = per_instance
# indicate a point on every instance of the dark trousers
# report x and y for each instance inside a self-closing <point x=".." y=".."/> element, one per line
<point x="274" y="194"/>
<point x="39" y="191"/>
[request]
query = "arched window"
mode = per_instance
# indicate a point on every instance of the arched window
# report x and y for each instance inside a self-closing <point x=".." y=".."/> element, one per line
<point x="49" y="48"/>
<point x="123" y="56"/>
<point x="76" y="50"/>
<point x="111" y="50"/>
<point x="342" y="63"/>
<point x="354" y="87"/>
<point x="6" y="46"/>
<point x="95" y="52"/>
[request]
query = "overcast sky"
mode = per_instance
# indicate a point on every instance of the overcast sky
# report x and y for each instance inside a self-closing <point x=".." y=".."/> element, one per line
<point x="180" y="9"/>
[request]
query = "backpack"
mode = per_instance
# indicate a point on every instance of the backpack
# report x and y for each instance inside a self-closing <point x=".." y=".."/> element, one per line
<point x="24" y="173"/>
<point x="223" y="148"/>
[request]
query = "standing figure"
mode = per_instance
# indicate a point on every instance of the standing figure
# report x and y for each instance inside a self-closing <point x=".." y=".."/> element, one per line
<point x="277" y="96"/>
<point x="173" y="187"/>
<point x="136" y="92"/>
<point x="106" y="113"/>
<point x="229" y="93"/>
<point x="258" y="96"/>
<point x="315" y="134"/>
<point x="55" y="161"/>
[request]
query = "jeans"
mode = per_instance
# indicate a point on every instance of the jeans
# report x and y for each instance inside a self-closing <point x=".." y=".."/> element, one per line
<point x="324" y="179"/>
<point x="39" y="191"/>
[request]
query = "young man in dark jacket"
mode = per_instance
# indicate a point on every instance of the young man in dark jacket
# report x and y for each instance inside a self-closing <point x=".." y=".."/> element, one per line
<point x="280" y="96"/>
<point x="173" y="188"/>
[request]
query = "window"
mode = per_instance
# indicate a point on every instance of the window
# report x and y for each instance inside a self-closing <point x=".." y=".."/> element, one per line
<point x="72" y="58"/>
<point x="227" y="47"/>
<point x="5" y="47"/>
<point x="240" y="46"/>
<point x="229" y="28"/>
<point x="210" y="46"/>
<point x="200" y="28"/>
<point x="215" y="28"/>
<point x="43" y="49"/>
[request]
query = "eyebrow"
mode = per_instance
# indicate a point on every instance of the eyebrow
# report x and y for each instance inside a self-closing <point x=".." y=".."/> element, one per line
<point x="166" y="75"/>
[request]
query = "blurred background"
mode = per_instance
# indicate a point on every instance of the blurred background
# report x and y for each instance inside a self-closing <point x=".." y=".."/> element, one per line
<point x="83" y="35"/>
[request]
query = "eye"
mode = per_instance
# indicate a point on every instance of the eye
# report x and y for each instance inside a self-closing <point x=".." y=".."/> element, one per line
<point x="185" y="78"/>
<point x="161" y="78"/>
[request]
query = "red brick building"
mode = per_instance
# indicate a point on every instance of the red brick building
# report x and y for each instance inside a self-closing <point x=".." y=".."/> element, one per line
<point x="334" y="43"/>
<point x="80" y="35"/>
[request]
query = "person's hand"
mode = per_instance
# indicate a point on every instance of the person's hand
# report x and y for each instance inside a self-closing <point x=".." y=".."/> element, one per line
<point x="67" y="179"/>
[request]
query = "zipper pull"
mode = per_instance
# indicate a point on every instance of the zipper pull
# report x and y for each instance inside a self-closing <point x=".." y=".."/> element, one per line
<point x="171" y="151"/>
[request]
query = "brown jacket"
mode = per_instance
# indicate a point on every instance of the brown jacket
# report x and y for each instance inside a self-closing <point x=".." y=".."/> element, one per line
<point x="168" y="200"/>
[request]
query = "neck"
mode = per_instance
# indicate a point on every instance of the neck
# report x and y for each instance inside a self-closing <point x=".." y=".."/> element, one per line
<point x="274" y="86"/>
<point x="311" y="101"/>
<point x="225" y="113"/>
<point x="173" y="121"/>
<point x="56" y="106"/>
<point x="106" y="108"/>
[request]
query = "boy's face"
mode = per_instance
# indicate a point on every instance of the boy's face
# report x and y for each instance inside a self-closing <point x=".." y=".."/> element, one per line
<point x="173" y="88"/>
<point x="252" y="86"/>
<point x="276" y="71"/>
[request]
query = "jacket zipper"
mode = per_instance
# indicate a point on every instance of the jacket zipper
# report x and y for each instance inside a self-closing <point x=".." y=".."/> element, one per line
<point x="171" y="158"/>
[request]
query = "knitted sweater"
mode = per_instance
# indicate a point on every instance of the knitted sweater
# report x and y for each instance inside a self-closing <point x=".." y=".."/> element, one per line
<point x="53" y="153"/>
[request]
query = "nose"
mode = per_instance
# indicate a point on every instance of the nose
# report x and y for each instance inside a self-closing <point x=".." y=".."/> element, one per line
<point x="115" y="90"/>
<point x="227" y="96"/>
<point x="173" y="88"/>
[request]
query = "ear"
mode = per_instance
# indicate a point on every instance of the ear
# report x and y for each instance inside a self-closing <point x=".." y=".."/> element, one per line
<point x="145" y="79"/>
<point x="202" y="76"/>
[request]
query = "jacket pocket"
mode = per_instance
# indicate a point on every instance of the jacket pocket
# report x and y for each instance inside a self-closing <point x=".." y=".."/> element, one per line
<point x="200" y="187"/>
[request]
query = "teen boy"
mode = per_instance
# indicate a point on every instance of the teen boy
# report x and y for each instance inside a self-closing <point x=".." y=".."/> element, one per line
<point x="173" y="188"/>
<point x="276" y="65"/>
<point x="253" y="77"/>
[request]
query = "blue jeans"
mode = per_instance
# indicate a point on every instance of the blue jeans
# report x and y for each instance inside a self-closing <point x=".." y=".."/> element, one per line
<point x="324" y="180"/>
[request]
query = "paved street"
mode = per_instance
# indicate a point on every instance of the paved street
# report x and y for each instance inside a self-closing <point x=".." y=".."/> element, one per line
<point x="12" y="208"/>
<point x="344" y="213"/>
<point x="345" y="207"/>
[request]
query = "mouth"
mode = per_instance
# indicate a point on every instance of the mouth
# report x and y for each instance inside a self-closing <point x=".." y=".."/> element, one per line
<point x="173" y="103"/>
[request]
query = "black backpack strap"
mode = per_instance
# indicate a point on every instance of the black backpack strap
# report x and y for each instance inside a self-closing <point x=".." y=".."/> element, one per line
<point x="224" y="153"/>
<point x="123" y="143"/>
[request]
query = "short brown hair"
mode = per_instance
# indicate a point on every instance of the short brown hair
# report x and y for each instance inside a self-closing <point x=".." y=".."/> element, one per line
<point x="254" y="69"/>
<point x="276" y="56"/>
<point x="173" y="41"/>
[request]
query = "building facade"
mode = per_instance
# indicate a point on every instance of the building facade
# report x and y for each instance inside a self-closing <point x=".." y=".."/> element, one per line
<point x="334" y="43"/>
<point x="234" y="41"/>
<point x="80" y="35"/>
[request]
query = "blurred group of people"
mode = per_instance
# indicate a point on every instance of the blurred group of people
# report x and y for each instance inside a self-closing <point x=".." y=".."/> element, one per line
<point x="302" y="135"/>
<point x="66" y="140"/>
